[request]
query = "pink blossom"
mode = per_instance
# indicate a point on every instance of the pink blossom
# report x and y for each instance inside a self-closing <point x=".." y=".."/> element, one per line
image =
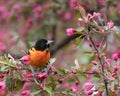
<point x="95" y="71"/>
<point x="29" y="23"/>
<point x="100" y="2"/>
<point x="42" y="86"/>
<point x="24" y="93"/>
<point x="25" y="59"/>
<point x="12" y="43"/>
<point x="73" y="89"/>
<point x="74" y="71"/>
<point x="118" y="6"/>
<point x="2" y="47"/>
<point x="17" y="7"/>
<point x="37" y="10"/>
<point x="27" y="86"/>
<point x="110" y="24"/>
<point x="4" y="33"/>
<point x="116" y="68"/>
<point x="114" y="74"/>
<point x="81" y="22"/>
<point x="90" y="45"/>
<point x="105" y="65"/>
<point x="41" y="75"/>
<point x="94" y="62"/>
<point x="60" y="81"/>
<point x="99" y="94"/>
<point x="88" y="86"/>
<point x="67" y="15"/>
<point x="72" y="4"/>
<point x="70" y="31"/>
<point x="89" y="16"/>
<point x="108" y="60"/>
<point x="89" y="76"/>
<point x="1" y="76"/>
<point x="115" y="57"/>
<point x="4" y="14"/>
<point x="96" y="15"/>
<point x="22" y="32"/>
<point x="90" y="92"/>
<point x="76" y="83"/>
<point x="2" y="88"/>
<point x="118" y="54"/>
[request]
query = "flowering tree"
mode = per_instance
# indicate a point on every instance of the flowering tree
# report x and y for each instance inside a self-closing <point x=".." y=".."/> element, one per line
<point x="23" y="20"/>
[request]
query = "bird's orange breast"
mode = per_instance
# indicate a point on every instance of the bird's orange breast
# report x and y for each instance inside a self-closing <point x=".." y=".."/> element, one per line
<point x="38" y="58"/>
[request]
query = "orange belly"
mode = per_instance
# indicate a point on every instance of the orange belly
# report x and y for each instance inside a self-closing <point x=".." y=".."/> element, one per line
<point x="39" y="58"/>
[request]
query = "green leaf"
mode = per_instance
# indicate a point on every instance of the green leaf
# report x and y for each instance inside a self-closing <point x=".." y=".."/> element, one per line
<point x="82" y="74"/>
<point x="112" y="85"/>
<point x="69" y="92"/>
<point x="52" y="79"/>
<point x="10" y="83"/>
<point x="96" y="77"/>
<point x="19" y="84"/>
<point x="49" y="89"/>
<point x="36" y="91"/>
<point x="60" y="71"/>
<point x="77" y="41"/>
<point x="4" y="68"/>
<point x="8" y="63"/>
<point x="52" y="60"/>
<point x="80" y="29"/>
<point x="82" y="11"/>
<point x="20" y="77"/>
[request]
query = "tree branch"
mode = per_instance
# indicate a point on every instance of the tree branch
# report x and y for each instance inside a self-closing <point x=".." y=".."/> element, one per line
<point x="64" y="42"/>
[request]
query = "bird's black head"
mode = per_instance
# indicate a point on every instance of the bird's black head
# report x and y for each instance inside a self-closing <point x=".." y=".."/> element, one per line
<point x="42" y="44"/>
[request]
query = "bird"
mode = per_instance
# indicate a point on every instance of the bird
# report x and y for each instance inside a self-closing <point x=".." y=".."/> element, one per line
<point x="39" y="54"/>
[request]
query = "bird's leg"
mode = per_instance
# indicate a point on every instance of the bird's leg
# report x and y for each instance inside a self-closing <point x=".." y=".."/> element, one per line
<point x="33" y="72"/>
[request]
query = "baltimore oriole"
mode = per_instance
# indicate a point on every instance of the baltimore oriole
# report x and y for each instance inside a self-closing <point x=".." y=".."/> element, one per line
<point x="39" y="54"/>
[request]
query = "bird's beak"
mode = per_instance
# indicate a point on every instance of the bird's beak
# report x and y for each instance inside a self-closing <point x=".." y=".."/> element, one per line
<point x="49" y="41"/>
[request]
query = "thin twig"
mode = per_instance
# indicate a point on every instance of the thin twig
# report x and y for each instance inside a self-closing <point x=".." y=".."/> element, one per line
<point x="101" y="63"/>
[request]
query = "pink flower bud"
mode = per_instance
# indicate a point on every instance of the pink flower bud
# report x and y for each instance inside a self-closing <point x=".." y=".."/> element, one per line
<point x="25" y="92"/>
<point x="73" y="89"/>
<point x="99" y="94"/>
<point x="2" y="88"/>
<point x="90" y="45"/>
<point x="96" y="15"/>
<point x="89" y="16"/>
<point x="60" y="81"/>
<point x="76" y="83"/>
<point x="41" y="75"/>
<point x="110" y="24"/>
<point x="90" y="92"/>
<point x="105" y="65"/>
<point x="116" y="68"/>
<point x="114" y="74"/>
<point x="88" y="86"/>
<point x="42" y="86"/>
<point x="108" y="60"/>
<point x="100" y="2"/>
<point x="94" y="62"/>
<point x="97" y="45"/>
<point x="118" y="54"/>
<point x="25" y="59"/>
<point x="115" y="57"/>
<point x="74" y="71"/>
<point x="70" y="31"/>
